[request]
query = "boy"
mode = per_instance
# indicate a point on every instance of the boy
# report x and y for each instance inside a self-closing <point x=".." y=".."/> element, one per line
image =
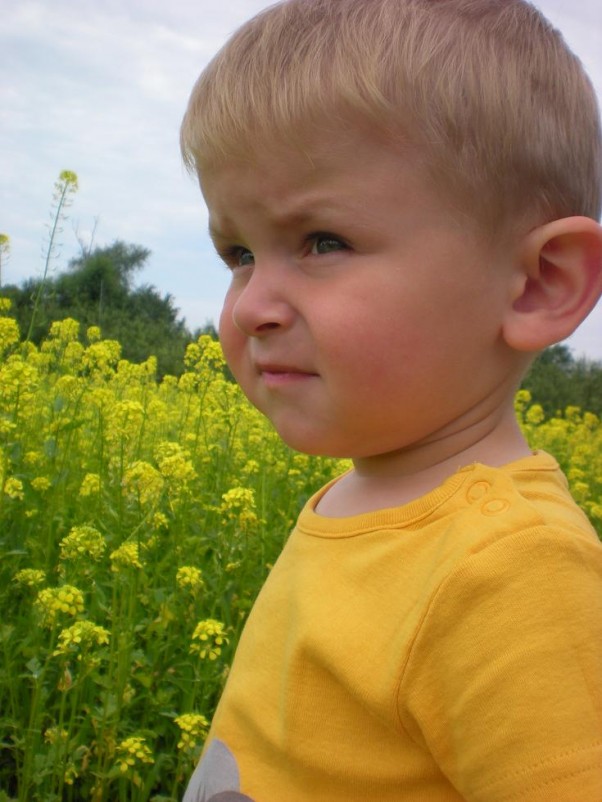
<point x="406" y="195"/>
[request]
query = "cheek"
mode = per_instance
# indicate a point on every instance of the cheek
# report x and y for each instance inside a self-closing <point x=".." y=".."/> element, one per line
<point x="373" y="343"/>
<point x="230" y="337"/>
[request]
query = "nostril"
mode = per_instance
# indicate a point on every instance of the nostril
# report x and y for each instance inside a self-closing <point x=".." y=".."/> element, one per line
<point x="261" y="306"/>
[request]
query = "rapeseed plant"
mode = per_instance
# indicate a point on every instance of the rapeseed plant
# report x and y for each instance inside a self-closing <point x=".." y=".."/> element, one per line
<point x="190" y="578"/>
<point x="211" y="637"/>
<point x="138" y="520"/>
<point x="194" y="728"/>
<point x="80" y="636"/>
<point x="55" y="603"/>
<point x="131" y="752"/>
<point x="126" y="556"/>
<point x="30" y="577"/>
<point x="82" y="541"/>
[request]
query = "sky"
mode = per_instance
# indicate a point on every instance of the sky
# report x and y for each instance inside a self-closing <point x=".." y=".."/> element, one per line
<point x="99" y="87"/>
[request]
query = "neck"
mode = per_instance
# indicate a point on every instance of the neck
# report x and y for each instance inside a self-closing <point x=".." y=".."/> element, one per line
<point x="396" y="478"/>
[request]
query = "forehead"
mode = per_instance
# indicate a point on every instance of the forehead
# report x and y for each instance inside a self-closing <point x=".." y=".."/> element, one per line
<point x="295" y="180"/>
<point x="309" y="150"/>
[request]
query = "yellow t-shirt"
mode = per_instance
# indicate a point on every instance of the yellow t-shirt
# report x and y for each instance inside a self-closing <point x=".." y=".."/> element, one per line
<point x="446" y="650"/>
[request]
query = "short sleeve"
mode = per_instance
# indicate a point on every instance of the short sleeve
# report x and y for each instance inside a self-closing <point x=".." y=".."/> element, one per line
<point x="503" y="684"/>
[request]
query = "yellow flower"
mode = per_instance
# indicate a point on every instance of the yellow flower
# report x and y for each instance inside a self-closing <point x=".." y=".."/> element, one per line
<point x="126" y="556"/>
<point x="52" y="602"/>
<point x="131" y="752"/>
<point x="251" y="467"/>
<point x="69" y="178"/>
<point x="7" y="426"/>
<point x="522" y="399"/>
<point x="64" y="330"/>
<point x="535" y="414"/>
<point x="238" y="504"/>
<point x="33" y="458"/>
<point x="73" y="355"/>
<point x="205" y="356"/>
<point x="211" y="636"/>
<point x="90" y="485"/>
<point x="41" y="483"/>
<point x="9" y="332"/>
<point x="54" y="735"/>
<point x="190" y="577"/>
<point x="194" y="728"/>
<point x="67" y="388"/>
<point x="174" y="463"/>
<point x="102" y="356"/>
<point x="79" y="636"/>
<point x="31" y="577"/>
<point x="82" y="541"/>
<point x="93" y="334"/>
<point x="71" y="774"/>
<point x="143" y="481"/>
<point x="14" y="488"/>
<point x="160" y="521"/>
<point x="125" y="419"/>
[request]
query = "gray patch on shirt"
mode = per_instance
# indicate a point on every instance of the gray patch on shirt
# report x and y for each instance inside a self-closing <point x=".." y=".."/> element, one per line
<point x="216" y="777"/>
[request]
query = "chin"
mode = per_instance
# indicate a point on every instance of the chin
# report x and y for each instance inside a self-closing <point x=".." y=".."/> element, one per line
<point x="313" y="445"/>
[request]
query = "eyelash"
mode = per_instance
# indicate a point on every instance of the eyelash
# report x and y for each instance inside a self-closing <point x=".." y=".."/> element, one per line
<point x="232" y="255"/>
<point x="327" y="236"/>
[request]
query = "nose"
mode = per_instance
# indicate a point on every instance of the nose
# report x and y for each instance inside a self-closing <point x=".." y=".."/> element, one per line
<point x="263" y="303"/>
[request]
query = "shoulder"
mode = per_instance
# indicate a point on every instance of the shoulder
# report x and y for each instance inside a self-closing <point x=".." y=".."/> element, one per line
<point x="530" y="496"/>
<point x="510" y="644"/>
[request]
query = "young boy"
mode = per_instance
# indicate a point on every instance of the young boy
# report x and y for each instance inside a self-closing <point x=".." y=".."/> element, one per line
<point x="406" y="195"/>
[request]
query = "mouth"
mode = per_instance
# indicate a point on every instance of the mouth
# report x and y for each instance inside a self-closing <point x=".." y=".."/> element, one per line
<point x="278" y="374"/>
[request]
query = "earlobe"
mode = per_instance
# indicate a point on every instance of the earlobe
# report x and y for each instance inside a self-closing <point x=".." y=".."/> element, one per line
<point x="557" y="284"/>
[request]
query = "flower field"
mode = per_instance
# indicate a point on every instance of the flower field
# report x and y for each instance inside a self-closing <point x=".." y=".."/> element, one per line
<point x="138" y="520"/>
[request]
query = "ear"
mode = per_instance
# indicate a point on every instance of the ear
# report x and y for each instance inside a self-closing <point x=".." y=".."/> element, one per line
<point x="557" y="284"/>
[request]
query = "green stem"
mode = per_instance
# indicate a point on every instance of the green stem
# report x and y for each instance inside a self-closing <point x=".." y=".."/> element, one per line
<point x="67" y="183"/>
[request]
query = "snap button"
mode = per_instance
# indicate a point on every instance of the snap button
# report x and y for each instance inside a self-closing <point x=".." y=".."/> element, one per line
<point x="477" y="490"/>
<point x="495" y="506"/>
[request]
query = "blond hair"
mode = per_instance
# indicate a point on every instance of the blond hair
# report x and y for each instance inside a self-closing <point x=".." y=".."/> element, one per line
<point x="486" y="90"/>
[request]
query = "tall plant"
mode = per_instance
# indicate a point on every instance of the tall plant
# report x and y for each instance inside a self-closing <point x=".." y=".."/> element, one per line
<point x="4" y="252"/>
<point x="64" y="189"/>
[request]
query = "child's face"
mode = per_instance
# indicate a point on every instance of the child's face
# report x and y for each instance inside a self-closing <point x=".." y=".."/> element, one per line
<point x="363" y="317"/>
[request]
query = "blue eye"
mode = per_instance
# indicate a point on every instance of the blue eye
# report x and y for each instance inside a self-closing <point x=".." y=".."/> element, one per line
<point x="244" y="257"/>
<point x="326" y="243"/>
<point x="236" y="256"/>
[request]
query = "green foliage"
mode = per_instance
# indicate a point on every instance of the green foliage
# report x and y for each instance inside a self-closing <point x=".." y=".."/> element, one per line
<point x="574" y="437"/>
<point x="97" y="289"/>
<point x="138" y="520"/>
<point x="556" y="381"/>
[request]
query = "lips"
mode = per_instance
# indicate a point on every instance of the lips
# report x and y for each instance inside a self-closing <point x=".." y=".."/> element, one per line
<point x="270" y="367"/>
<point x="274" y="374"/>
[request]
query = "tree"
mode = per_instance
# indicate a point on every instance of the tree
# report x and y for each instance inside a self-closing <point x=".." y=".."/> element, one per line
<point x="556" y="380"/>
<point x="101" y="280"/>
<point x="97" y="289"/>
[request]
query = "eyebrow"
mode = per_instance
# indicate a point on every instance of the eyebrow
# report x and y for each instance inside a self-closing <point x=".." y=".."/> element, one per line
<point x="306" y="211"/>
<point x="215" y="234"/>
<point x="220" y="238"/>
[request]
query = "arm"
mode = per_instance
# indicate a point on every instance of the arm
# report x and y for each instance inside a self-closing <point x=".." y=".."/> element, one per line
<point x="504" y="681"/>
